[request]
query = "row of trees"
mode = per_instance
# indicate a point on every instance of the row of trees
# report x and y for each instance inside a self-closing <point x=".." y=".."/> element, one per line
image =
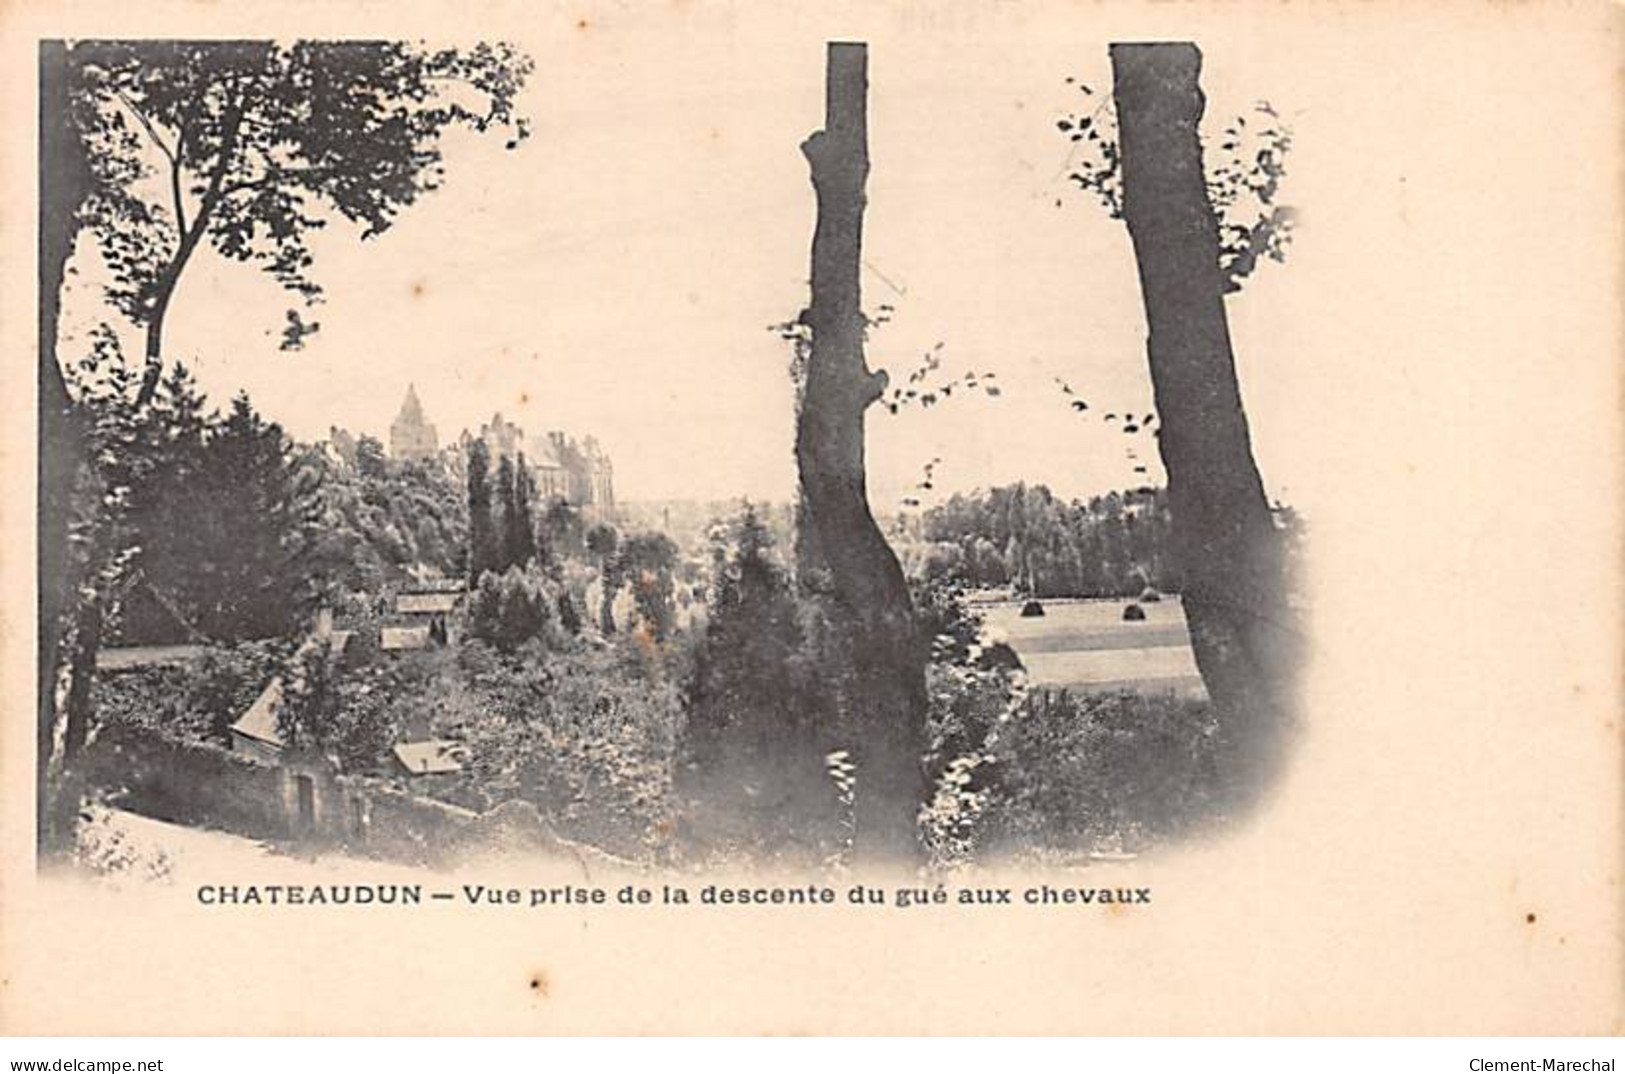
<point x="501" y="514"/>
<point x="1023" y="536"/>
<point x="509" y="533"/>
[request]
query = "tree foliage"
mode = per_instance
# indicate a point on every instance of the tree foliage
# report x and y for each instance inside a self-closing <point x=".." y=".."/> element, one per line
<point x="760" y="709"/>
<point x="519" y="516"/>
<point x="249" y="147"/>
<point x="383" y="520"/>
<point x="508" y="610"/>
<point x="484" y="548"/>
<point x="217" y="522"/>
<point x="604" y="542"/>
<point x="326" y="707"/>
<point x="649" y="561"/>
<point x="1244" y="173"/>
<point x="1023" y="536"/>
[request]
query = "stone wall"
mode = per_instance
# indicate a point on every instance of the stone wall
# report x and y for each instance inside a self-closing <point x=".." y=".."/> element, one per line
<point x="189" y="783"/>
<point x="305" y="801"/>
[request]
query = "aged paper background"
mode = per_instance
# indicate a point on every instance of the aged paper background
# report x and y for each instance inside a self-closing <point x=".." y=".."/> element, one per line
<point x="1445" y="855"/>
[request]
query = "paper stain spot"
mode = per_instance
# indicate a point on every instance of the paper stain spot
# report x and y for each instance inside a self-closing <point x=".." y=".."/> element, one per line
<point x="524" y="397"/>
<point x="418" y="289"/>
<point x="582" y="24"/>
<point x="1529" y="918"/>
<point x="539" y="984"/>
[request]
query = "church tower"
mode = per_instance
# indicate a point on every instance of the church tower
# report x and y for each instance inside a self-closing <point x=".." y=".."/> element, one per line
<point x="411" y="436"/>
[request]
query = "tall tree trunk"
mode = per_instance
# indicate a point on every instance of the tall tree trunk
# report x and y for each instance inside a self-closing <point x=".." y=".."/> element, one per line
<point x="64" y="183"/>
<point x="606" y="602"/>
<point x="190" y="238"/>
<point x="865" y="579"/>
<point x="1229" y="553"/>
<point x="87" y="638"/>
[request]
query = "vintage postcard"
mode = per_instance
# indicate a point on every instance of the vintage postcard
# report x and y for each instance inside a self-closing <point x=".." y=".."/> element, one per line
<point x="691" y="517"/>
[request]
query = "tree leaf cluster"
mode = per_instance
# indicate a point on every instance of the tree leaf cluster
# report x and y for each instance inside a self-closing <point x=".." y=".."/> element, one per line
<point x="1244" y="174"/>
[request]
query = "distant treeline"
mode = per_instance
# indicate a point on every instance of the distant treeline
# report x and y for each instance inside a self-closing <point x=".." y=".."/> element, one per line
<point x="1023" y="536"/>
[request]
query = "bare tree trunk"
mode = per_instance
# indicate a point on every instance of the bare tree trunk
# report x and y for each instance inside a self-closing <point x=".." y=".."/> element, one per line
<point x="1229" y="553"/>
<point x="64" y="183"/>
<point x="87" y="638"/>
<point x="866" y="581"/>
<point x="190" y="238"/>
<point x="606" y="606"/>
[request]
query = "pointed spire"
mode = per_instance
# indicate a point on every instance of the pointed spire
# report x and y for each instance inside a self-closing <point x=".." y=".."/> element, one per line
<point x="411" y="408"/>
<point x="411" y="435"/>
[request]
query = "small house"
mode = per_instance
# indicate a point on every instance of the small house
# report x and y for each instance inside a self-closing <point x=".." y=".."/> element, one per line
<point x="431" y="609"/>
<point x="255" y="733"/>
<point x="395" y="639"/>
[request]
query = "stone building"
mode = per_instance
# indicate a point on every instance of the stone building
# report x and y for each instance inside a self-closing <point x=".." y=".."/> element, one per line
<point x="502" y="438"/>
<point x="578" y="472"/>
<point x="410" y="435"/>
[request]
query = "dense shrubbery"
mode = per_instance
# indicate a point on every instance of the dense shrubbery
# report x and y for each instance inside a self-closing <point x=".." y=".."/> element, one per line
<point x="649" y="563"/>
<point x="156" y="697"/>
<point x="1117" y="771"/>
<point x="383" y="518"/>
<point x="352" y="712"/>
<point x="586" y="735"/>
<point x="200" y="700"/>
<point x="518" y="606"/>
<point x="214" y="520"/>
<point x="763" y="766"/>
<point x="763" y="710"/>
<point x="229" y="679"/>
<point x="1019" y="771"/>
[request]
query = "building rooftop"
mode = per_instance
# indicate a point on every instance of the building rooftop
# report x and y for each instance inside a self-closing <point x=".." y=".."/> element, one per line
<point x="431" y="758"/>
<point x="426" y="603"/>
<point x="394" y="639"/>
<point x="411" y="409"/>
<point x="259" y="722"/>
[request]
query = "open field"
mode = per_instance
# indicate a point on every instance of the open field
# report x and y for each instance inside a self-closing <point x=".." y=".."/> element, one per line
<point x="1086" y="645"/>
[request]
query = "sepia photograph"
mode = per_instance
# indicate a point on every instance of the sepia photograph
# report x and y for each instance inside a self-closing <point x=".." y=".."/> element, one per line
<point x="1122" y="483"/>
<point x="388" y="641"/>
